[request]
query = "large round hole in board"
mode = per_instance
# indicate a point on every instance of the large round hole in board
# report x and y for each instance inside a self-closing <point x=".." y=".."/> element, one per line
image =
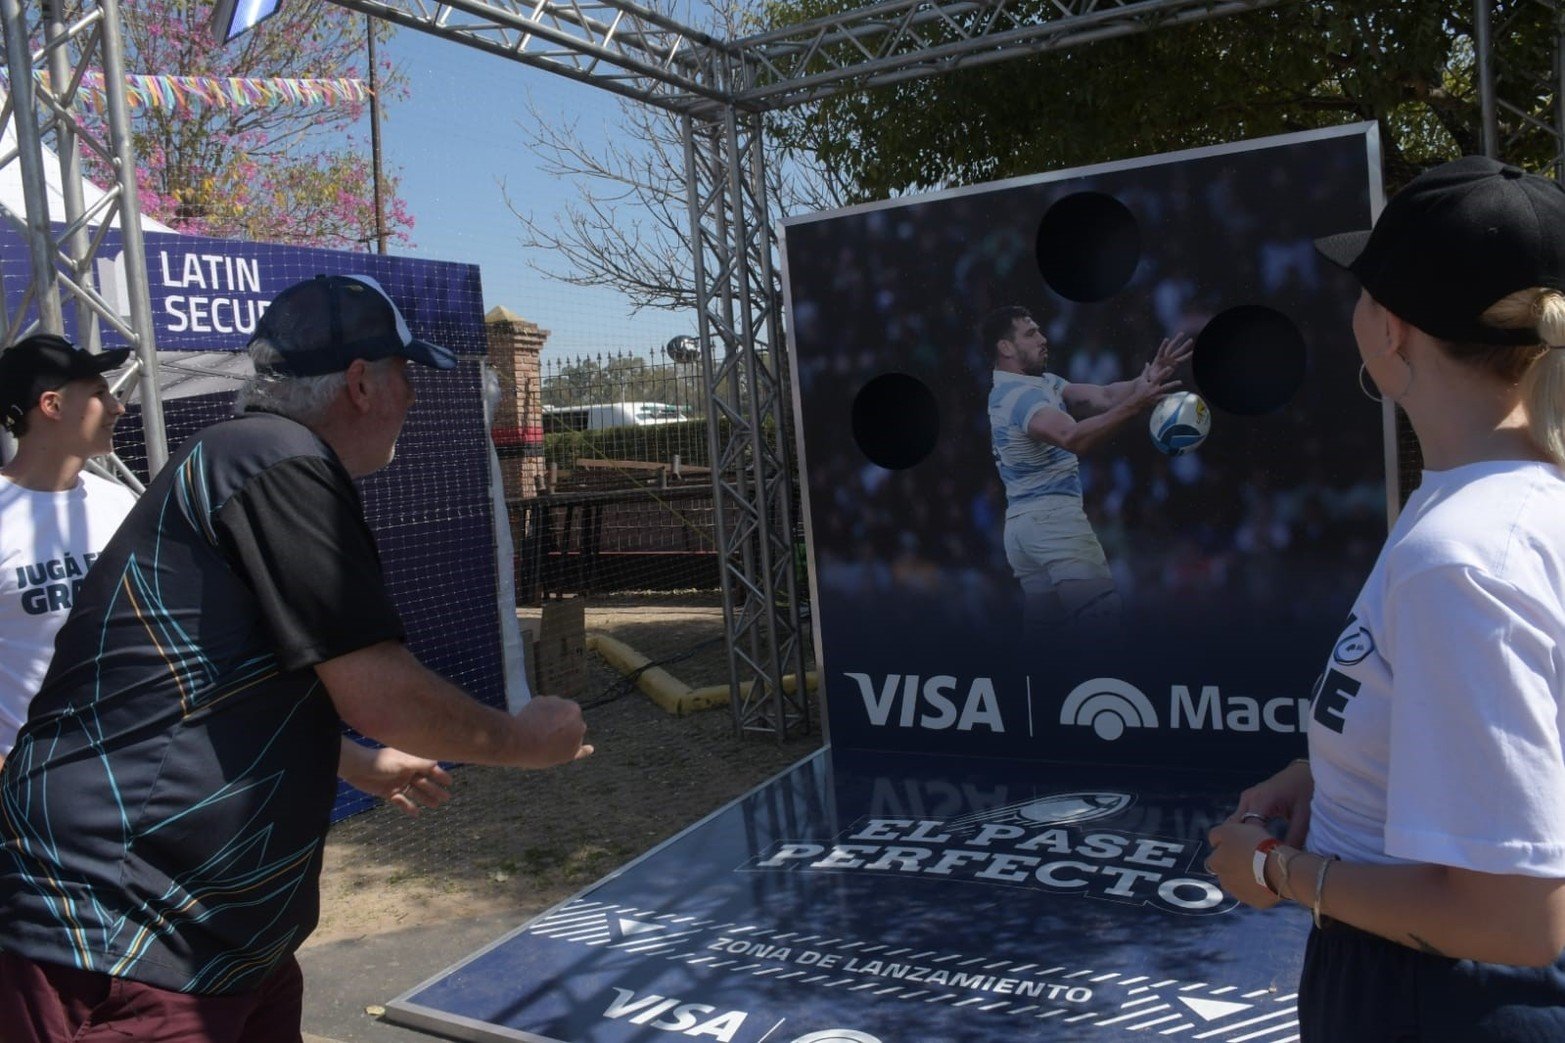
<point x="1249" y="360"/>
<point x="1088" y="246"/>
<point x="896" y="420"/>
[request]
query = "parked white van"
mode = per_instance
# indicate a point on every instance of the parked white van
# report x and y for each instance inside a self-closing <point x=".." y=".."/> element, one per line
<point x="610" y="414"/>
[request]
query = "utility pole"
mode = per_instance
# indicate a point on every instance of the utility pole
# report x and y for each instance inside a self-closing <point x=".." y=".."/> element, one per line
<point x="380" y="204"/>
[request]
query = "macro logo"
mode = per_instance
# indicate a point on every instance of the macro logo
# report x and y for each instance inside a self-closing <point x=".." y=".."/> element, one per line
<point x="1108" y="706"/>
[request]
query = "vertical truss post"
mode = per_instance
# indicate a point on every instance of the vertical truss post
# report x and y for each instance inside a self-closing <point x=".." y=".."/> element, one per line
<point x="75" y="244"/>
<point x="1559" y="91"/>
<point x="79" y="36"/>
<point x="44" y="286"/>
<point x="747" y="428"/>
<point x="1488" y="108"/>
<point x="1525" y="81"/>
<point x="137" y="284"/>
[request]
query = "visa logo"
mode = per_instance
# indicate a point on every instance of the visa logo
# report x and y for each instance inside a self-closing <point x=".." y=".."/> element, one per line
<point x="672" y="1015"/>
<point x="932" y="704"/>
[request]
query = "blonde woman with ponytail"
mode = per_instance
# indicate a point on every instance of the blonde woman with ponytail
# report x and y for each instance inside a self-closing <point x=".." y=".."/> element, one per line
<point x="1544" y="390"/>
<point x="1425" y="833"/>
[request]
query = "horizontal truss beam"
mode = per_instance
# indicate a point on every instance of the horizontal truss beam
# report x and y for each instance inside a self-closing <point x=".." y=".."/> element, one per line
<point x="635" y="52"/>
<point x="617" y="45"/>
<point x="906" y="39"/>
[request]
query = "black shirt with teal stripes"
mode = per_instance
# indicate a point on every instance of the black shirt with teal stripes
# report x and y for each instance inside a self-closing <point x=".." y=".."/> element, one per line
<point x="162" y="814"/>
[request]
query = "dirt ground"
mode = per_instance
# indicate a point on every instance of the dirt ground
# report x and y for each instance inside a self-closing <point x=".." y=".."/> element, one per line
<point x="518" y="842"/>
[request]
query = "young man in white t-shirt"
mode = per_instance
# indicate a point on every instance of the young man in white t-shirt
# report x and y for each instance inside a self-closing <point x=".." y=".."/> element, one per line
<point x="54" y="519"/>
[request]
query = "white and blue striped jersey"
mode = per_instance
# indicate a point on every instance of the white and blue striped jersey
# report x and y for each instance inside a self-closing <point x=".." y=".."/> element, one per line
<point x="1031" y="469"/>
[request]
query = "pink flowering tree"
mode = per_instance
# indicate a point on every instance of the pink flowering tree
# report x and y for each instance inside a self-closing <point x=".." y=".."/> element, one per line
<point x="274" y="171"/>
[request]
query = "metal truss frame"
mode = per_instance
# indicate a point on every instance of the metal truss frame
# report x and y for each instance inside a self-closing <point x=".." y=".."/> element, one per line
<point x="624" y="47"/>
<point x="46" y="60"/>
<point x="722" y="89"/>
<point x="1516" y="100"/>
<point x="897" y="40"/>
<point x="617" y="45"/>
<point x="748" y="429"/>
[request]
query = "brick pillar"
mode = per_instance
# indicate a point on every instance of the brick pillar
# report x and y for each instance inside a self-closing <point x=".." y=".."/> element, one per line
<point x="514" y="344"/>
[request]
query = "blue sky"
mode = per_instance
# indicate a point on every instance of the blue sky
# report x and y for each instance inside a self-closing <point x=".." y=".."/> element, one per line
<point x="453" y="139"/>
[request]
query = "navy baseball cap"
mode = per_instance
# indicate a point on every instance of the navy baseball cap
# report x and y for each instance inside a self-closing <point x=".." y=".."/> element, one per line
<point x="1457" y="239"/>
<point x="322" y="324"/>
<point x="46" y="362"/>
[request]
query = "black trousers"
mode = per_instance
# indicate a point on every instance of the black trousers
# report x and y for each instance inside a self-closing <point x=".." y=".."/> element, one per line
<point x="1359" y="988"/>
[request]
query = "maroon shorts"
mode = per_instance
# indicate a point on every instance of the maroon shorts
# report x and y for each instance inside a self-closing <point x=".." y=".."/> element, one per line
<point x="49" y="1003"/>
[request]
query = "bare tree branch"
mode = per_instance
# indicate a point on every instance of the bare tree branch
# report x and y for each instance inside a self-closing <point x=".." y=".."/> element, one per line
<point x="629" y="228"/>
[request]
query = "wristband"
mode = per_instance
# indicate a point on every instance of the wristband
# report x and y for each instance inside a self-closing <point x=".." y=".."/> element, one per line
<point x="1259" y="861"/>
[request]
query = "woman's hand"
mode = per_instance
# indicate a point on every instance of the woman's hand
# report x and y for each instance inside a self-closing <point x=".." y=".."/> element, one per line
<point x="1233" y="861"/>
<point x="1286" y="795"/>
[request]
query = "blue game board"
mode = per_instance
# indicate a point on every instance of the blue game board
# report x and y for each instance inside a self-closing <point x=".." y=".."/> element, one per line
<point x="898" y="899"/>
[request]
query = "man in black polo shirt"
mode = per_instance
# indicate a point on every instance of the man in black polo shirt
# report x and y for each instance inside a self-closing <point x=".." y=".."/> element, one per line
<point x="162" y="814"/>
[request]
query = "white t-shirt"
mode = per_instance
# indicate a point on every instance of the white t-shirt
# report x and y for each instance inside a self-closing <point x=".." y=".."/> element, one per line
<point x="47" y="541"/>
<point x="1436" y="730"/>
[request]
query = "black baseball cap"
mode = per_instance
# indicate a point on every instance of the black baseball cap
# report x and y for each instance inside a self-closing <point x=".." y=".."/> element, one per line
<point x="1453" y="242"/>
<point x="322" y="324"/>
<point x="46" y="362"/>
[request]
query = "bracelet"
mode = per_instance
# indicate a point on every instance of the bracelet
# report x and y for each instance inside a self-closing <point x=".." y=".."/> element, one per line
<point x="1284" y="868"/>
<point x="1320" y="886"/>
<point x="1258" y="862"/>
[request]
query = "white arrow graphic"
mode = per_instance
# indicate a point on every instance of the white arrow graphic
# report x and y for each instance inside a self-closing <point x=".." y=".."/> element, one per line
<point x="1211" y="1010"/>
<point x="637" y="927"/>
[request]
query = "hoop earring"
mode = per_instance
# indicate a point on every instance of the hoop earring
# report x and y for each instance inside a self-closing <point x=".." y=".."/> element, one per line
<point x="1364" y="386"/>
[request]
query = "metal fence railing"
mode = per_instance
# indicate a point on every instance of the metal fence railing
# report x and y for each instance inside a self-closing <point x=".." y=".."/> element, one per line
<point x="624" y="501"/>
<point x="603" y="379"/>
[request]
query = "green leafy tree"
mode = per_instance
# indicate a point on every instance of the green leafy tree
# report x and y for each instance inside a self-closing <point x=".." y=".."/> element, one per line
<point x="1294" y="66"/>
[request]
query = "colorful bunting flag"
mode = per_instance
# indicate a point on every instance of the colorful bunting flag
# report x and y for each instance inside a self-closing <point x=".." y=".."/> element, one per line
<point x="182" y="93"/>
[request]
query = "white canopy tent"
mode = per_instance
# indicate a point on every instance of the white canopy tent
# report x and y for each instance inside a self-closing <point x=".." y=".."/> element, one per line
<point x="11" y="193"/>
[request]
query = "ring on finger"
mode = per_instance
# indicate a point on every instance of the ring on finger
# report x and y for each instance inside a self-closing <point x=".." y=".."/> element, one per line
<point x="1248" y="815"/>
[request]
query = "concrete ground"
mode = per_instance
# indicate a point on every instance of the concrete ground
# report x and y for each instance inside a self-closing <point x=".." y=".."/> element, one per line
<point x="346" y="980"/>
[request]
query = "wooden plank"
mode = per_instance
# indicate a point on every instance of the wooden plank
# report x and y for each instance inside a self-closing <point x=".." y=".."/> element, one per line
<point x="595" y="463"/>
<point x="562" y="649"/>
<point x="600" y="464"/>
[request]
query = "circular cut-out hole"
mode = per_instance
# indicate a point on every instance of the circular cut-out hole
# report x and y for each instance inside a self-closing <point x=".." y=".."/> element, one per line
<point x="896" y="420"/>
<point x="1249" y="360"/>
<point x="1088" y="246"/>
